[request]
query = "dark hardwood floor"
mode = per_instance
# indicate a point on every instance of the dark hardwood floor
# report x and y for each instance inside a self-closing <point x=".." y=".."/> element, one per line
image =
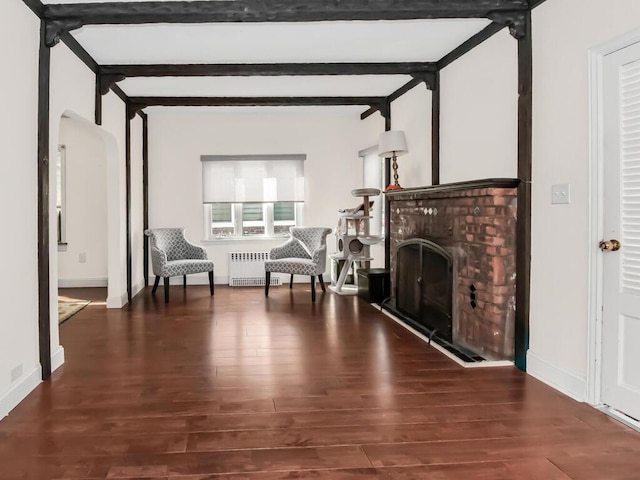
<point x="243" y="387"/>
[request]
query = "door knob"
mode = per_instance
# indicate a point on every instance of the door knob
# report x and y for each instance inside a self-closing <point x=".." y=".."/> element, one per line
<point x="610" y="245"/>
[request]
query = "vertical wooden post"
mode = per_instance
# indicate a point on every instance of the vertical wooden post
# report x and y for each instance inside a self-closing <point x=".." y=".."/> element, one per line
<point x="44" y="297"/>
<point x="128" y="199"/>
<point x="387" y="203"/>
<point x="525" y="147"/>
<point x="98" y="101"/>
<point x="435" y="130"/>
<point x="145" y="194"/>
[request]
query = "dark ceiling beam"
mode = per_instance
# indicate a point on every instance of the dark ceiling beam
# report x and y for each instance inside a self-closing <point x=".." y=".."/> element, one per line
<point x="79" y="51"/>
<point x="276" y="11"/>
<point x="414" y="82"/>
<point x="254" y="101"/>
<point x="267" y="69"/>
<point x="470" y="44"/>
<point x="36" y="7"/>
<point x="404" y="89"/>
<point x="138" y="103"/>
<point x="120" y="93"/>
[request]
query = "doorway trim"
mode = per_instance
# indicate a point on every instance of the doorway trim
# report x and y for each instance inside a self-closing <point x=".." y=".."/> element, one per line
<point x="116" y="288"/>
<point x="596" y="209"/>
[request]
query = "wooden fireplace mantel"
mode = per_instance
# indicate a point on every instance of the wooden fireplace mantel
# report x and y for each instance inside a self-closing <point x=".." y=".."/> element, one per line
<point x="453" y="187"/>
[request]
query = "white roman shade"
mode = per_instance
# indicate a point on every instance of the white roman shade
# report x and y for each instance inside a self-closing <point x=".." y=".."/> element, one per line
<point x="252" y="178"/>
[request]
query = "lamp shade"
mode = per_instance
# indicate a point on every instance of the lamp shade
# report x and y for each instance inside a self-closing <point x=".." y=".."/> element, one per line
<point x="392" y="142"/>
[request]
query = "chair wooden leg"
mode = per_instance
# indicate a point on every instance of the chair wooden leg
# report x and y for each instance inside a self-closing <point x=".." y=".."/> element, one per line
<point x="166" y="289"/>
<point x="324" y="289"/>
<point x="291" y="281"/>
<point x="184" y="281"/>
<point x="155" y="284"/>
<point x="211" y="282"/>
<point x="313" y="288"/>
<point x="267" y="281"/>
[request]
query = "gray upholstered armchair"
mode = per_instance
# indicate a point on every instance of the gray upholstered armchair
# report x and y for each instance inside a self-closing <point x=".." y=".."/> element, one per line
<point x="173" y="255"/>
<point x="305" y="253"/>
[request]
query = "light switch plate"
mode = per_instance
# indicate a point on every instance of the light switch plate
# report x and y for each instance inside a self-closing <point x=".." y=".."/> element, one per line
<point x="560" y="194"/>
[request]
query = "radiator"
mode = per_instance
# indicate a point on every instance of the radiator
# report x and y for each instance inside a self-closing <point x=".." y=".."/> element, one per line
<point x="246" y="269"/>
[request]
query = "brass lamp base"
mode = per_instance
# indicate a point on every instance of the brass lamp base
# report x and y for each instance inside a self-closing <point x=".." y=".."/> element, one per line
<point x="394" y="165"/>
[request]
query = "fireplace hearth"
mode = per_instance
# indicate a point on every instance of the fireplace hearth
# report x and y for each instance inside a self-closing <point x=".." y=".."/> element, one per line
<point x="453" y="257"/>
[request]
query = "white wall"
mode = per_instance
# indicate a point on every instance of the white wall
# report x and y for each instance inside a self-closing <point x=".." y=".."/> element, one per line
<point x="113" y="121"/>
<point x="177" y="139"/>
<point x="561" y="155"/>
<point x="137" y="217"/>
<point x="412" y="114"/>
<point x="19" y="40"/>
<point x="374" y="125"/>
<point x="479" y="112"/>
<point x="86" y="206"/>
<point x="72" y="89"/>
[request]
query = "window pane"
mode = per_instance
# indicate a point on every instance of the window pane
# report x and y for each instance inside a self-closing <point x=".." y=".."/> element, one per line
<point x="253" y="219"/>
<point x="284" y="211"/>
<point x="252" y="212"/>
<point x="221" y="212"/>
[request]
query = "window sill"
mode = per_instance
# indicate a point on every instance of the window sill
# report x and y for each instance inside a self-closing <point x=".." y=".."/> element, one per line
<point x="231" y="240"/>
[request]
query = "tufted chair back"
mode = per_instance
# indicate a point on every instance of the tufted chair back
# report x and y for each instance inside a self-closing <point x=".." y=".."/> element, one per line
<point x="171" y="241"/>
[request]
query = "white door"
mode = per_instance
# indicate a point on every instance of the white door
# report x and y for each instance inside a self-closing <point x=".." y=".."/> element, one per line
<point x="621" y="221"/>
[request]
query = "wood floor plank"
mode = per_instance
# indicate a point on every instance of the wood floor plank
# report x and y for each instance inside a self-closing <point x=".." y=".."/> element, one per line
<point x="239" y="386"/>
<point x="540" y="446"/>
<point x="599" y="466"/>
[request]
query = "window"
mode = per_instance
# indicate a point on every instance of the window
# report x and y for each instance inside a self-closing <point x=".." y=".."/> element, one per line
<point x="253" y="219"/>
<point x="221" y="219"/>
<point x="61" y="193"/>
<point x="284" y="216"/>
<point x="229" y="220"/>
<point x="252" y="196"/>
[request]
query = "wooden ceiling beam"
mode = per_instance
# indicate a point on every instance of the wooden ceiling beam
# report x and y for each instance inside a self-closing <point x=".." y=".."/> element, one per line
<point x="267" y="69"/>
<point x="275" y="11"/>
<point x="138" y="103"/>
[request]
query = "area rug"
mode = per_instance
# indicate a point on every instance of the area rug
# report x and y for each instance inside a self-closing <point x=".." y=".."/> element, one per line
<point x="67" y="309"/>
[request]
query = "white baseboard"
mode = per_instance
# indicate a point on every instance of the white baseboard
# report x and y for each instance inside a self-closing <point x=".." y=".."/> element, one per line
<point x="19" y="391"/>
<point x="137" y="288"/>
<point x="81" y="282"/>
<point x="117" y="302"/>
<point x="565" y="382"/>
<point x="57" y="359"/>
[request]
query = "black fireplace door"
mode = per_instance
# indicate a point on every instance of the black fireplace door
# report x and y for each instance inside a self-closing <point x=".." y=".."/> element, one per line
<point x="424" y="286"/>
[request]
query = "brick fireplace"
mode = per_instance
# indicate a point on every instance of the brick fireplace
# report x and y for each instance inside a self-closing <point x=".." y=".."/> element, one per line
<point x="475" y="222"/>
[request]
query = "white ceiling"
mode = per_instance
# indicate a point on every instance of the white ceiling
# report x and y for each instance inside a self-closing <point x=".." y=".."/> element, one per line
<point x="322" y="86"/>
<point x="286" y="42"/>
<point x="380" y="41"/>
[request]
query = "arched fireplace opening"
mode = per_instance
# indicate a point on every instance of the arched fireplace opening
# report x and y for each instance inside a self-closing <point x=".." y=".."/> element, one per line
<point x="424" y="286"/>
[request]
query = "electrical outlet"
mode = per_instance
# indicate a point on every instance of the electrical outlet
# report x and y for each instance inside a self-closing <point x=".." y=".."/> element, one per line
<point x="16" y="373"/>
<point x="82" y="258"/>
<point x="560" y="194"/>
